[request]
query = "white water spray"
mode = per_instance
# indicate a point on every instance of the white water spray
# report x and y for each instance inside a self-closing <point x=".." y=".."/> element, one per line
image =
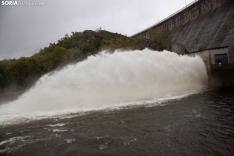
<point x="110" y="80"/>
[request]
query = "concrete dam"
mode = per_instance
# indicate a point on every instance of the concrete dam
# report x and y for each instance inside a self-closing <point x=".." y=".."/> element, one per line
<point x="205" y="28"/>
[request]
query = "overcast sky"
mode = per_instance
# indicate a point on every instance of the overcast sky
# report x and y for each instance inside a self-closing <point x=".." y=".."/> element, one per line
<point x="26" y="29"/>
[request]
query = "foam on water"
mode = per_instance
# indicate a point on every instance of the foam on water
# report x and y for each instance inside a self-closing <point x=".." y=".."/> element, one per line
<point x="59" y="130"/>
<point x="110" y="81"/>
<point x="12" y="144"/>
<point x="57" y="125"/>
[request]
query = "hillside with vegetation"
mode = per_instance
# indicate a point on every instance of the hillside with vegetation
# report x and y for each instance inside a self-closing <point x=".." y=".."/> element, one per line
<point x="19" y="74"/>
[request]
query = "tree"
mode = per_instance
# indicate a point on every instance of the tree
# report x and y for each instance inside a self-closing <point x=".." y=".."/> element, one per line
<point x="121" y="43"/>
<point x="158" y="39"/>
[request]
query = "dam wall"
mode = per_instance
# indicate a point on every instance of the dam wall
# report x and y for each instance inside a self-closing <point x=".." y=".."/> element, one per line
<point x="204" y="28"/>
<point x="213" y="30"/>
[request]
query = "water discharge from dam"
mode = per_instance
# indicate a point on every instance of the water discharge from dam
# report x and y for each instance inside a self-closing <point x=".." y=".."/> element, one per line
<point x="111" y="81"/>
<point x="149" y="103"/>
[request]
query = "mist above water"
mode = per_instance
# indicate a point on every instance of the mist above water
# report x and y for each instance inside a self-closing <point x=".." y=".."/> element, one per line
<point x="111" y="80"/>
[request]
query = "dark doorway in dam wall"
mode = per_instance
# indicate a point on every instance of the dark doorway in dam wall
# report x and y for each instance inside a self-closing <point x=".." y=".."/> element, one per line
<point x="221" y="59"/>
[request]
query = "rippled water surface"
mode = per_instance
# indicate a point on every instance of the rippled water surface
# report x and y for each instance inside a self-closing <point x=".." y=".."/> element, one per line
<point x="200" y="124"/>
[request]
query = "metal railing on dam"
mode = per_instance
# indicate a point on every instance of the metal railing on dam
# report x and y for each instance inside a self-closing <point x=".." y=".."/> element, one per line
<point x="163" y="20"/>
<point x="183" y="16"/>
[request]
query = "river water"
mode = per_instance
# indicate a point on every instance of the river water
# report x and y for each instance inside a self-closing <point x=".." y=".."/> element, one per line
<point x="200" y="124"/>
<point x="131" y="103"/>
